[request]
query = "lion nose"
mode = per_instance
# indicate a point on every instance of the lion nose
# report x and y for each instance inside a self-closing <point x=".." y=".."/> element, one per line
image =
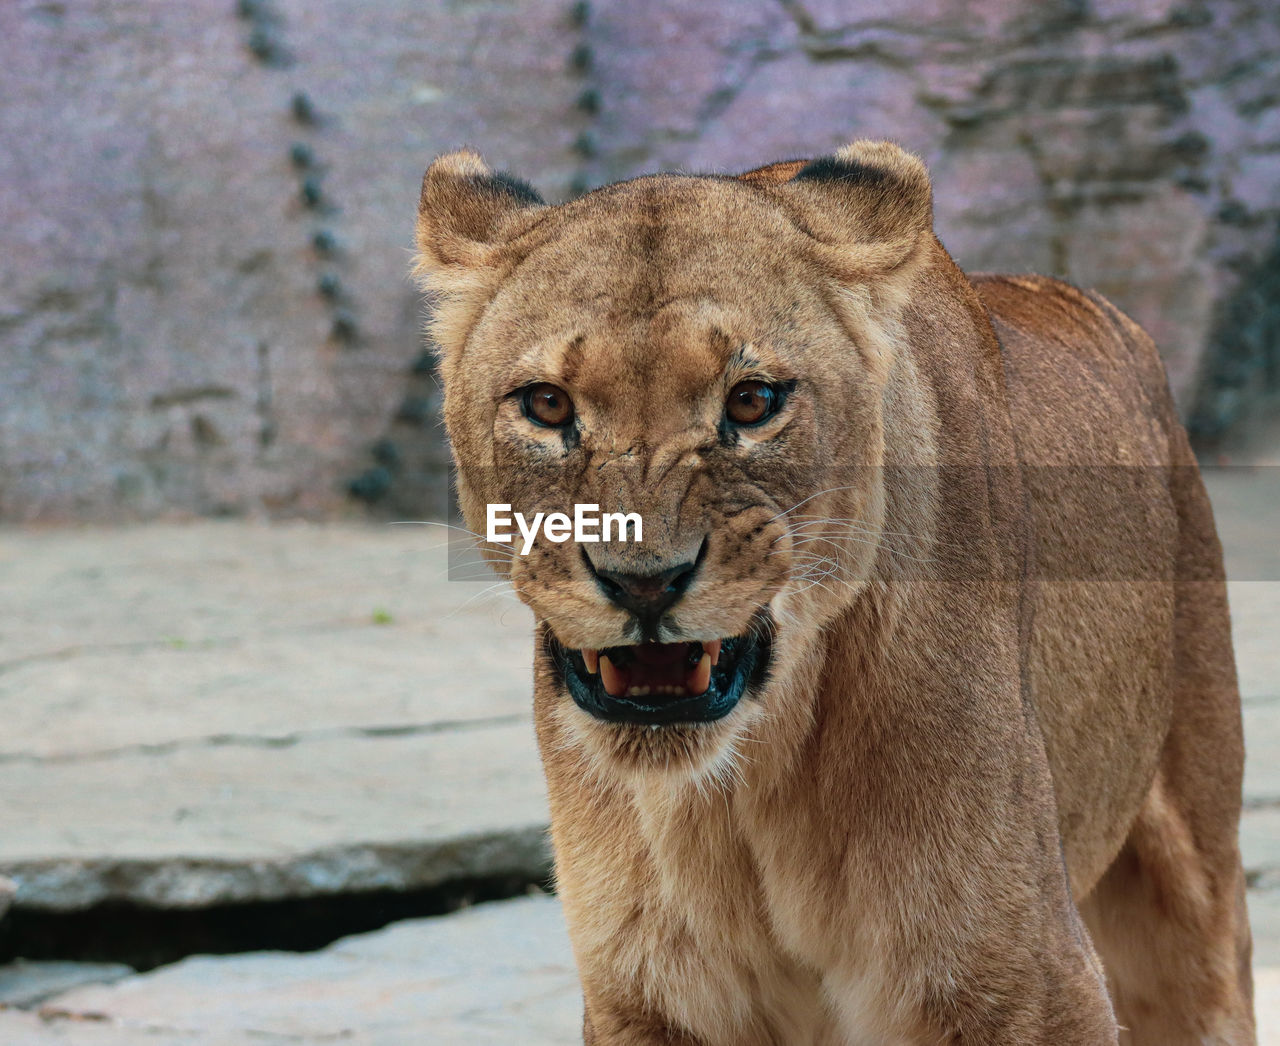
<point x="647" y="595"/>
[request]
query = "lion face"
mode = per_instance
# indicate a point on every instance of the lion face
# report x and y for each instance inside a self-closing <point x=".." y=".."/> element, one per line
<point x="710" y="354"/>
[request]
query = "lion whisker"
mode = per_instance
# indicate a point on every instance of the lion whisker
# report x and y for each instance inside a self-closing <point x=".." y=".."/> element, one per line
<point x="875" y="544"/>
<point x="862" y="525"/>
<point x="434" y="523"/>
<point x="818" y="494"/>
<point x="488" y="592"/>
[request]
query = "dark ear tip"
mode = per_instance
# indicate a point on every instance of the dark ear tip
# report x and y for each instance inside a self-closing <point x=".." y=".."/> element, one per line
<point x="466" y="210"/>
<point x="467" y="167"/>
<point x="510" y="185"/>
<point x="840" y="169"/>
<point x="884" y="184"/>
<point x="869" y="163"/>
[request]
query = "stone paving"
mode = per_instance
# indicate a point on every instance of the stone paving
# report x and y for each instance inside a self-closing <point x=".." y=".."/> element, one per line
<point x="216" y="712"/>
<point x="497" y="974"/>
<point x="233" y="712"/>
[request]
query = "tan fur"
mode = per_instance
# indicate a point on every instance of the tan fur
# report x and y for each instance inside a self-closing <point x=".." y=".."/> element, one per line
<point x="1001" y="725"/>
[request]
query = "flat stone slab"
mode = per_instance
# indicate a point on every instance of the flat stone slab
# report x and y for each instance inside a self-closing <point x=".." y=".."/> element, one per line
<point x="1260" y="845"/>
<point x="1264" y="919"/>
<point x="492" y="975"/>
<point x="225" y="823"/>
<point x="1262" y="753"/>
<point x="147" y="636"/>
<point x="1255" y="626"/>
<point x="219" y="712"/>
<point x="26" y="984"/>
<point x="1246" y="508"/>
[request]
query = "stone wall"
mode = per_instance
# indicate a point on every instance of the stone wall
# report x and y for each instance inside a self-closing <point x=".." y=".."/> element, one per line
<point x="206" y="207"/>
<point x="206" y="211"/>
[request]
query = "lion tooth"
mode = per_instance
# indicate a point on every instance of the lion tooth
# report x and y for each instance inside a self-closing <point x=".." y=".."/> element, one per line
<point x="700" y="678"/>
<point x="591" y="658"/>
<point x="712" y="648"/>
<point x="613" y="678"/>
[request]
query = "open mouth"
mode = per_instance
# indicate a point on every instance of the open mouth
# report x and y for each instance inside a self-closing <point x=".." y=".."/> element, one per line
<point x="662" y="683"/>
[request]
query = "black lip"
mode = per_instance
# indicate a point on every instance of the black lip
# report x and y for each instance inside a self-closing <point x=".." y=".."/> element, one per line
<point x="744" y="665"/>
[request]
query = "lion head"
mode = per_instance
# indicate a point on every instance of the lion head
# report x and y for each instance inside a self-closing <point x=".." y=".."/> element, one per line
<point x="712" y="353"/>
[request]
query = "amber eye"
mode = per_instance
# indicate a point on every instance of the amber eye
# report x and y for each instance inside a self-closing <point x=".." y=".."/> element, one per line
<point x="546" y="404"/>
<point x="751" y="402"/>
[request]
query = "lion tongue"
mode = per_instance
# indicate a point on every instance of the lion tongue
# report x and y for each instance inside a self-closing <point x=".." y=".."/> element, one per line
<point x="655" y="668"/>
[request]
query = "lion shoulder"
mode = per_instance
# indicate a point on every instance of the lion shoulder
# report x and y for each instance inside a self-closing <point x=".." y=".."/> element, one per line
<point x="1080" y="373"/>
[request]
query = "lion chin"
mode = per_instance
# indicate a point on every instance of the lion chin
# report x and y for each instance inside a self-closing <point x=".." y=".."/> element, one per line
<point x="911" y="716"/>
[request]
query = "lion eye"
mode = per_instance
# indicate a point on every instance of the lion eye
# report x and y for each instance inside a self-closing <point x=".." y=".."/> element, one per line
<point x="546" y="404"/>
<point x="751" y="402"/>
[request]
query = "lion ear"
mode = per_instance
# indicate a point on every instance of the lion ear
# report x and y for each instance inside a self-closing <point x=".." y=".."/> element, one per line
<point x="467" y="212"/>
<point x="872" y="198"/>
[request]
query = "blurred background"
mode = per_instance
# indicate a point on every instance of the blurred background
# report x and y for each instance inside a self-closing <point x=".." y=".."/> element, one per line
<point x="206" y="208"/>
<point x="260" y="753"/>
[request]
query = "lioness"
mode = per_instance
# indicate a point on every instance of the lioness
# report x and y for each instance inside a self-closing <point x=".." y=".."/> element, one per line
<point x="913" y="717"/>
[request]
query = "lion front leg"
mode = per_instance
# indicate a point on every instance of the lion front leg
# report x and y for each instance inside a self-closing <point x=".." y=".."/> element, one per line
<point x="1059" y="999"/>
<point x="1010" y="964"/>
<point x="956" y="924"/>
<point x="1055" y="998"/>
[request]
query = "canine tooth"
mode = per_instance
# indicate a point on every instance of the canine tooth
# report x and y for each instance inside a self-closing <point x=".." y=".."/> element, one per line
<point x="591" y="658"/>
<point x="712" y="648"/>
<point x="700" y="678"/>
<point x="613" y="678"/>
